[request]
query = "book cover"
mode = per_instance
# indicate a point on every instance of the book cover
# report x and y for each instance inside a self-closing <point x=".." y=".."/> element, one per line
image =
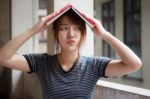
<point x="57" y="14"/>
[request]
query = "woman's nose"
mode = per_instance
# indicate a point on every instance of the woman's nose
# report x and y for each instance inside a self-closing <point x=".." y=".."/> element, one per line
<point x="71" y="33"/>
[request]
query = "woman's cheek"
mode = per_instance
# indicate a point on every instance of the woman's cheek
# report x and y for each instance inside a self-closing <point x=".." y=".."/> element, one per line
<point x="79" y="37"/>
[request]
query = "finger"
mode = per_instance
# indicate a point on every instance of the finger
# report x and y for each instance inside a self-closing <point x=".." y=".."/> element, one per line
<point x="51" y="16"/>
<point x="90" y="19"/>
<point x="44" y="21"/>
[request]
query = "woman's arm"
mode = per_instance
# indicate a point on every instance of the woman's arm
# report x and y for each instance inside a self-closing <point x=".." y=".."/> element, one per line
<point x="128" y="62"/>
<point x="7" y="52"/>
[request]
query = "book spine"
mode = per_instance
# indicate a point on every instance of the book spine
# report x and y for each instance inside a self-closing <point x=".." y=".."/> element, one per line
<point x="56" y="13"/>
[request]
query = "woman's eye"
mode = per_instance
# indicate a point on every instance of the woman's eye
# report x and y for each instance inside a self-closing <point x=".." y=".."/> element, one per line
<point x="77" y="29"/>
<point x="63" y="28"/>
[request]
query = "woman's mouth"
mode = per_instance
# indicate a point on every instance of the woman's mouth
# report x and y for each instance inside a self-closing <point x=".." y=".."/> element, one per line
<point x="71" y="42"/>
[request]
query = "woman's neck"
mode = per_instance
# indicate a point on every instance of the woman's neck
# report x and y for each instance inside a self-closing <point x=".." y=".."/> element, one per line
<point x="68" y="58"/>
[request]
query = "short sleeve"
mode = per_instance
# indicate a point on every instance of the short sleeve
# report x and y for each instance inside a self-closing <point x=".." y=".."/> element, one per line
<point x="36" y="61"/>
<point x="99" y="64"/>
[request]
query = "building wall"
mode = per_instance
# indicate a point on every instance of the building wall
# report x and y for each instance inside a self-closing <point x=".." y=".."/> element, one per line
<point x="145" y="27"/>
<point x="145" y="42"/>
<point x="108" y="93"/>
<point x="24" y="86"/>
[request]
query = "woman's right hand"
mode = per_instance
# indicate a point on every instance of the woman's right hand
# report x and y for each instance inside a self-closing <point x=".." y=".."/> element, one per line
<point x="42" y="24"/>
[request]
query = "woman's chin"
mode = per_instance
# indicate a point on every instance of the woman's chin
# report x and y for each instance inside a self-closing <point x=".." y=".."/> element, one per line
<point x="71" y="49"/>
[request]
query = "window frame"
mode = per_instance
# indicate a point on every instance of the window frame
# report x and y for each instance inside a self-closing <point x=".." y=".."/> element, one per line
<point x="108" y="20"/>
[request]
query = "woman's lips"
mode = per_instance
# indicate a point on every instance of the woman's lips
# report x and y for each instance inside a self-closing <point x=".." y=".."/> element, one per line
<point x="71" y="41"/>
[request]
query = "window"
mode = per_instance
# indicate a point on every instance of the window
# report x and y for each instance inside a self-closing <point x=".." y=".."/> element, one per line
<point x="42" y="43"/>
<point x="108" y="23"/>
<point x="132" y="29"/>
<point x="42" y="37"/>
<point x="42" y="4"/>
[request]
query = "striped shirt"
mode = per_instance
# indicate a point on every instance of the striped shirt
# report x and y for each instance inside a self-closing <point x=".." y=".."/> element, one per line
<point x="77" y="83"/>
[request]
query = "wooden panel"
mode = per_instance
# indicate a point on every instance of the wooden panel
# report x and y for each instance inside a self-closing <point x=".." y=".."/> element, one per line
<point x="5" y="30"/>
<point x="4" y="21"/>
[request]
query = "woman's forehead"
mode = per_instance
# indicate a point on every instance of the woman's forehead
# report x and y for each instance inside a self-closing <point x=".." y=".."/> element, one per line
<point x="66" y="20"/>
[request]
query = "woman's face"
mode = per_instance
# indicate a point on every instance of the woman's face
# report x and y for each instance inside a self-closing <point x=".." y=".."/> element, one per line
<point x="69" y="35"/>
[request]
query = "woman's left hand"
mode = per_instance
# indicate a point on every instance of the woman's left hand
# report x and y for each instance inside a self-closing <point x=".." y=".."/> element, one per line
<point x="98" y="28"/>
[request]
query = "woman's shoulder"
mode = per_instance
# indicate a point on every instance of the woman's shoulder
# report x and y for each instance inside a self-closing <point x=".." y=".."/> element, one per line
<point x="40" y="55"/>
<point x="94" y="58"/>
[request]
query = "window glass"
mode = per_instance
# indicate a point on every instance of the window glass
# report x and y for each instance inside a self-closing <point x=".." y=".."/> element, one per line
<point x="108" y="23"/>
<point x="132" y="30"/>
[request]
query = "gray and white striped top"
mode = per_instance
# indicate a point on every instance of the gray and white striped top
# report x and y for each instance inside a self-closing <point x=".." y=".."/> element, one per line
<point x="77" y="83"/>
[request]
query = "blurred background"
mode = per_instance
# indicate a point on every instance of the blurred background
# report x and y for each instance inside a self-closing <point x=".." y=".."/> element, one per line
<point x="128" y="20"/>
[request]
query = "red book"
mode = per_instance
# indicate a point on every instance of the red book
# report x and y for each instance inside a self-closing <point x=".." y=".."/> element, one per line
<point x="66" y="8"/>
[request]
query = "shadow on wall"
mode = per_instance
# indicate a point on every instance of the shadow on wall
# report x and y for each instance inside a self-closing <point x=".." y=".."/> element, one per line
<point x="28" y="87"/>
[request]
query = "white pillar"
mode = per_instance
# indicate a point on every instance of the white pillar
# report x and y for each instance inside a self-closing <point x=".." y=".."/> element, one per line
<point x="21" y="20"/>
<point x="85" y="6"/>
<point x="145" y="42"/>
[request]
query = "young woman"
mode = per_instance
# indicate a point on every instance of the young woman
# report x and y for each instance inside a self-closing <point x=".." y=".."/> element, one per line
<point x="67" y="74"/>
